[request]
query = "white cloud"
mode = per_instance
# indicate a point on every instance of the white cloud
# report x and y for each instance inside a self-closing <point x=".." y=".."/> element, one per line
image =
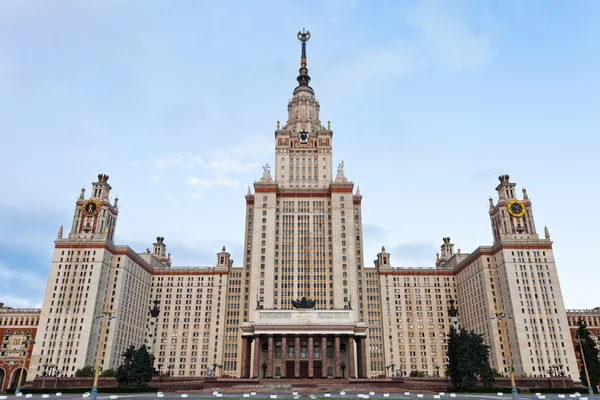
<point x="448" y="38"/>
<point x="186" y="159"/>
<point x="207" y="183"/>
<point x="29" y="286"/>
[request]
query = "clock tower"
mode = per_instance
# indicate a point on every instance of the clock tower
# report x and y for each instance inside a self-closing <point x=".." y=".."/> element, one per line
<point x="511" y="218"/>
<point x="303" y="144"/>
<point x="95" y="217"/>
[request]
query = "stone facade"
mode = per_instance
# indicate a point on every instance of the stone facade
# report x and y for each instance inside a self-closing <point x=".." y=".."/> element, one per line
<point x="18" y="326"/>
<point x="302" y="239"/>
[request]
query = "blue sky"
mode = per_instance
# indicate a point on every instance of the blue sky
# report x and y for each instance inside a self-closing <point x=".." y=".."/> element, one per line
<point x="177" y="101"/>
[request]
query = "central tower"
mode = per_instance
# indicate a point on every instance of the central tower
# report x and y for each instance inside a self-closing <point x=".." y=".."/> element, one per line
<point x="303" y="239"/>
<point x="303" y="145"/>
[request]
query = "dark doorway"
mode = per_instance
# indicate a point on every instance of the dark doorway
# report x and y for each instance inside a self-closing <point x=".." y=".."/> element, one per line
<point x="289" y="369"/>
<point x="303" y="369"/>
<point x="2" y="376"/>
<point x="15" y="378"/>
<point x="317" y="368"/>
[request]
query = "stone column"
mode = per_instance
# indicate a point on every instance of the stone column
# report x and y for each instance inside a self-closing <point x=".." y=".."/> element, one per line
<point x="323" y="357"/>
<point x="256" y="368"/>
<point x="270" y="357"/>
<point x="359" y="358"/>
<point x="297" y="357"/>
<point x="310" y="357"/>
<point x="337" y="357"/>
<point x="350" y="351"/>
<point x="245" y="357"/>
<point x="363" y="352"/>
<point x="283" y="356"/>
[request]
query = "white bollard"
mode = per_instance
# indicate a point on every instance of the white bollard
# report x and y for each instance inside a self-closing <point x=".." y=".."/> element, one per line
<point x="342" y="393"/>
<point x="58" y="394"/>
<point x="113" y="397"/>
<point x="273" y="396"/>
<point x="160" y="394"/>
<point x="436" y="396"/>
<point x="246" y="395"/>
<point x="219" y="394"/>
<point x="45" y="396"/>
<point x="19" y="394"/>
<point x="386" y="395"/>
<point x="407" y="393"/>
<point x="294" y="393"/>
<point x="28" y="395"/>
<point x="419" y="395"/>
<point x="538" y="394"/>
<point x="371" y="393"/>
<point x="500" y="394"/>
<point x="252" y="393"/>
<point x="184" y="395"/>
<point x="327" y="395"/>
<point x="452" y="394"/>
<point x="215" y="393"/>
<point x="561" y="396"/>
<point x="442" y="393"/>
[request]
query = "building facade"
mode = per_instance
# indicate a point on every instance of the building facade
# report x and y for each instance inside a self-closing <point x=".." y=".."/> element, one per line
<point x="302" y="303"/>
<point x="591" y="319"/>
<point x="18" y="327"/>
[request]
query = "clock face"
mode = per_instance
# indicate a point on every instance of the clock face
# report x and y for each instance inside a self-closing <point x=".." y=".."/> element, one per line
<point x="303" y="136"/>
<point x="516" y="208"/>
<point x="90" y="207"/>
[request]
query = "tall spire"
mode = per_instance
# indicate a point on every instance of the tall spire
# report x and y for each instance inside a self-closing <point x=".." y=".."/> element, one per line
<point x="303" y="79"/>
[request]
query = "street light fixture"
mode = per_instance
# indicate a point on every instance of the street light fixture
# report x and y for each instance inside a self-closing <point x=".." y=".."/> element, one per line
<point x="106" y="315"/>
<point x="501" y="316"/>
<point x="26" y="345"/>
<point x="587" y="375"/>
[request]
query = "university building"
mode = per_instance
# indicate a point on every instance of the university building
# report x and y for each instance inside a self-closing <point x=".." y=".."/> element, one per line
<point x="302" y="303"/>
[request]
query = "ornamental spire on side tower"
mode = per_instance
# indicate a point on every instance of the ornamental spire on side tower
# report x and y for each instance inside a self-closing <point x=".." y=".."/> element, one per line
<point x="303" y="79"/>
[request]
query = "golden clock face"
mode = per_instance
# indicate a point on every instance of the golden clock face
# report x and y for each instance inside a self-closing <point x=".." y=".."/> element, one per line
<point x="90" y="207"/>
<point x="516" y="208"/>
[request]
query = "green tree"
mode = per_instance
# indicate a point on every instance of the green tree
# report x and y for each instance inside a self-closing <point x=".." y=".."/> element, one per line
<point x="136" y="369"/>
<point x="108" y="373"/>
<point x="85" y="372"/>
<point x="591" y="355"/>
<point x="468" y="360"/>
<point x="417" y="374"/>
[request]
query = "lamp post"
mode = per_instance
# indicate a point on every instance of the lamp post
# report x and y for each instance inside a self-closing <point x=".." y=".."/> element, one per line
<point x="587" y="375"/>
<point x="437" y="370"/>
<point x="392" y="367"/>
<point x="106" y="315"/>
<point x="159" y="373"/>
<point x="26" y="345"/>
<point x="501" y="315"/>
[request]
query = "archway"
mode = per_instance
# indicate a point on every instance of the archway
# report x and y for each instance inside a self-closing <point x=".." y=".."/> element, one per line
<point x="2" y="376"/>
<point x="14" y="382"/>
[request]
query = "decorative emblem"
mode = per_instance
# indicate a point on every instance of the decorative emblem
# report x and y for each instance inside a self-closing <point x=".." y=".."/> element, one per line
<point x="304" y="35"/>
<point x="303" y="136"/>
<point x="91" y="208"/>
<point x="516" y="208"/>
<point x="304" y="303"/>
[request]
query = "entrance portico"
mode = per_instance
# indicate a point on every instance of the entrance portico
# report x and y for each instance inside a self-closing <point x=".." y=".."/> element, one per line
<point x="304" y="343"/>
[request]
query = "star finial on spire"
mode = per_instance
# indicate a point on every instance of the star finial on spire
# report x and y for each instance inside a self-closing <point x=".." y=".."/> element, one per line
<point x="303" y="79"/>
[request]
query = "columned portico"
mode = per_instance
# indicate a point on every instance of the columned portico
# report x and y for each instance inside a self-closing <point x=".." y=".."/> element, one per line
<point x="302" y="344"/>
